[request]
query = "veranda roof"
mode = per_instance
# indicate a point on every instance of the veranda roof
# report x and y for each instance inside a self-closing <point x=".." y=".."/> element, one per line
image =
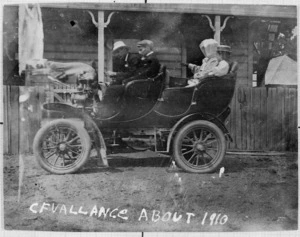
<point x="277" y="11"/>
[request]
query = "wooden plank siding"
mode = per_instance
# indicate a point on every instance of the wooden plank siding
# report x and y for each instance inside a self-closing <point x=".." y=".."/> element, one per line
<point x="264" y="119"/>
<point x="21" y="120"/>
<point x="71" y="53"/>
<point x="171" y="57"/>
<point x="6" y="124"/>
<point x="240" y="55"/>
<point x="11" y="120"/>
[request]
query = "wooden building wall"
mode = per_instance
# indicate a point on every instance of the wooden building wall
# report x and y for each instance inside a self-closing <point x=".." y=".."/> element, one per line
<point x="264" y="119"/>
<point x="240" y="54"/>
<point x="70" y="52"/>
<point x="261" y="118"/>
<point x="11" y="120"/>
<point x="171" y="57"/>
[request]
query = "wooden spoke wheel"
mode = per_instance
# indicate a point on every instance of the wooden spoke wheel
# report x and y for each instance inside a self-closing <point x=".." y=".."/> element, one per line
<point x="199" y="147"/>
<point x="62" y="146"/>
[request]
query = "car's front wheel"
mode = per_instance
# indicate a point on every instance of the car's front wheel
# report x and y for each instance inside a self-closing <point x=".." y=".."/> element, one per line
<point x="62" y="146"/>
<point x="199" y="147"/>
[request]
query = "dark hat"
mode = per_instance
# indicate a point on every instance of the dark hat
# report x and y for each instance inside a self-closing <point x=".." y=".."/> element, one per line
<point x="145" y="43"/>
<point x="224" y="48"/>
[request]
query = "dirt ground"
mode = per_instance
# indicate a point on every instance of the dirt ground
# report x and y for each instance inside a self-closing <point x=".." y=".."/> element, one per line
<point x="255" y="193"/>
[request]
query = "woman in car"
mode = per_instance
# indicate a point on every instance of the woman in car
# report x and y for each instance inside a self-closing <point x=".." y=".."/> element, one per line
<point x="212" y="64"/>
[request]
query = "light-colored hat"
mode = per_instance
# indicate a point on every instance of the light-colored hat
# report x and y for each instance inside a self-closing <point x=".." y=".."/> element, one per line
<point x="209" y="47"/>
<point x="119" y="44"/>
<point x="224" y="48"/>
<point x="145" y="43"/>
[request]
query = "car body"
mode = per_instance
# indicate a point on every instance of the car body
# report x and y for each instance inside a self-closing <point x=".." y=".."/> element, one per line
<point x="160" y="114"/>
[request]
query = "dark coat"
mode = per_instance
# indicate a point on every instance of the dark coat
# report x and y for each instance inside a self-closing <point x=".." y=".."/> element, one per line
<point x="125" y="67"/>
<point x="148" y="67"/>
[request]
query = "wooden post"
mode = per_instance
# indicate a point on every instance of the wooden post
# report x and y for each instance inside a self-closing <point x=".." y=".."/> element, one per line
<point x="109" y="54"/>
<point x="250" y="57"/>
<point x="183" y="57"/>
<point x="217" y="35"/>
<point x="100" y="46"/>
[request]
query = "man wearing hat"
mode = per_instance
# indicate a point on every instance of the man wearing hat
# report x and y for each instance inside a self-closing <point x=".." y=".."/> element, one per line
<point x="124" y="63"/>
<point x="149" y="65"/>
<point x="224" y="51"/>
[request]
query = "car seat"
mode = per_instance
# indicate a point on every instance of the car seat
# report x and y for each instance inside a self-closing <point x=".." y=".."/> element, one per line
<point x="149" y="88"/>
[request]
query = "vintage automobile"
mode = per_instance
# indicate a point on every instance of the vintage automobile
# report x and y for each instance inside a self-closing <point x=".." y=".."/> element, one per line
<point x="160" y="114"/>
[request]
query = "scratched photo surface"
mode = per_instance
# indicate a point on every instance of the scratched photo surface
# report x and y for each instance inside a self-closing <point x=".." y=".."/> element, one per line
<point x="150" y="117"/>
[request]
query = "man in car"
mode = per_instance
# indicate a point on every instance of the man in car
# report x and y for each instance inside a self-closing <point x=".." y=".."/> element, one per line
<point x="224" y="51"/>
<point x="149" y="65"/>
<point x="125" y="63"/>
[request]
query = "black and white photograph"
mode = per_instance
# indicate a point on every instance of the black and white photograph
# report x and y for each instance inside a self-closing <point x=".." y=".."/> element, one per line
<point x="149" y="116"/>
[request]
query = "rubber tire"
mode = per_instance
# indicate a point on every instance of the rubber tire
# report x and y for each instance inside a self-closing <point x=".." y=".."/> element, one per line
<point x="84" y="138"/>
<point x="185" y="130"/>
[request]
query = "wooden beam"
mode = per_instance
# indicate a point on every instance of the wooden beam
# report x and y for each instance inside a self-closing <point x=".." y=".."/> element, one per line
<point x="217" y="35"/>
<point x="276" y="11"/>
<point x="101" y="46"/>
<point x="183" y="58"/>
<point x="109" y="54"/>
<point x="250" y="56"/>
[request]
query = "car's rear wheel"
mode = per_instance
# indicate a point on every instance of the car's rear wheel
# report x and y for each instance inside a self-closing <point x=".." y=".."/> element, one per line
<point x="62" y="146"/>
<point x="199" y="147"/>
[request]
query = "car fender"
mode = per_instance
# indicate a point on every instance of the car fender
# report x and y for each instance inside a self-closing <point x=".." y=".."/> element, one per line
<point x="60" y="110"/>
<point x="193" y="117"/>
